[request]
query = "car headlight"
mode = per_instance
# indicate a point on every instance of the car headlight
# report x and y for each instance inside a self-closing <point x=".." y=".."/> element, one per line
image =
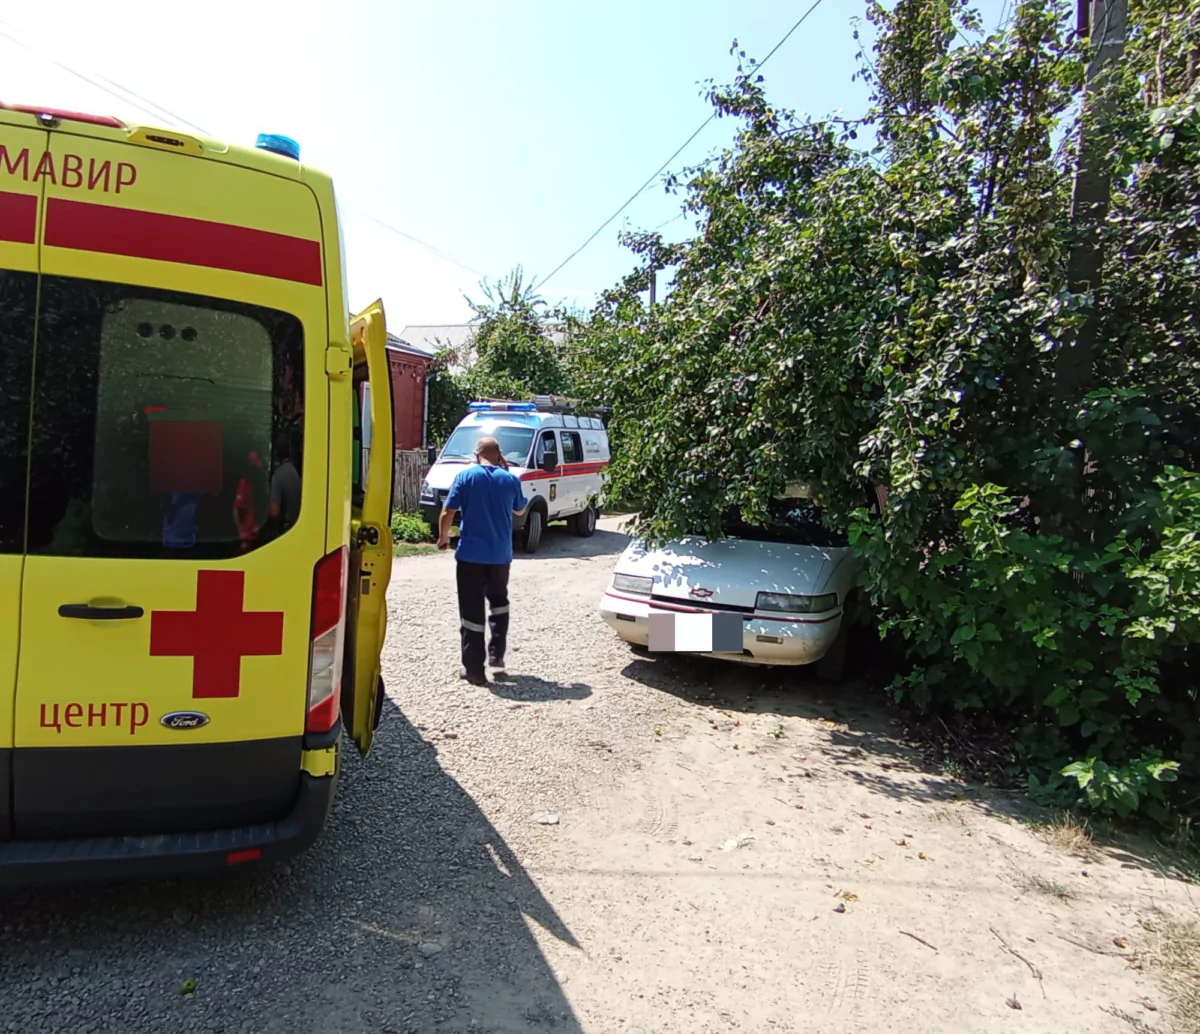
<point x="789" y="604"/>
<point x="425" y="489"/>
<point x="633" y="583"/>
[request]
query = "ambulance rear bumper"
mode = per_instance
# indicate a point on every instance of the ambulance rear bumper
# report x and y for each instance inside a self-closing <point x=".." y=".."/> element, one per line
<point x="88" y="858"/>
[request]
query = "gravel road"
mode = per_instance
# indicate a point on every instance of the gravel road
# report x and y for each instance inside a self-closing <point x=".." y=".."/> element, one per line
<point x="606" y="844"/>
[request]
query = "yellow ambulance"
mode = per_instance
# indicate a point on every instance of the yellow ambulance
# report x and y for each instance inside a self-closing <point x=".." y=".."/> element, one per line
<point x="194" y="539"/>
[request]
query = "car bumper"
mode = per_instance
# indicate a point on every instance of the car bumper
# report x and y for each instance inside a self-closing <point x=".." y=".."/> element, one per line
<point x="764" y="641"/>
<point x="432" y="512"/>
<point x="52" y="861"/>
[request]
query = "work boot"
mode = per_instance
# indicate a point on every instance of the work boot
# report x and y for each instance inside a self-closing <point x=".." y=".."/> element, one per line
<point x="475" y="678"/>
<point x="497" y="665"/>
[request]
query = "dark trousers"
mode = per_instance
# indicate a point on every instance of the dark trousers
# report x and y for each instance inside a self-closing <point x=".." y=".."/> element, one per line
<point x="476" y="583"/>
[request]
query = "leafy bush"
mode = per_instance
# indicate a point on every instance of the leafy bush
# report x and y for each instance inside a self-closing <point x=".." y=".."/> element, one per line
<point x="410" y="527"/>
<point x="908" y="319"/>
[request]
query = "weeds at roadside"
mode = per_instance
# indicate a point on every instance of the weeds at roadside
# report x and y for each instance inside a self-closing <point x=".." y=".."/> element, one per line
<point x="407" y="549"/>
<point x="1178" y="953"/>
<point x="1032" y="882"/>
<point x="1136" y="1025"/>
<point x="410" y="528"/>
<point x="1068" y="832"/>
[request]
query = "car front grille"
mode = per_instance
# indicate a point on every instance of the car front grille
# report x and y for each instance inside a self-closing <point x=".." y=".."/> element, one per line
<point x="699" y="604"/>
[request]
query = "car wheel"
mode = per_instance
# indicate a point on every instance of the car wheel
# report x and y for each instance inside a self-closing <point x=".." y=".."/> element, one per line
<point x="584" y="524"/>
<point x="533" y="530"/>
<point x="832" y="667"/>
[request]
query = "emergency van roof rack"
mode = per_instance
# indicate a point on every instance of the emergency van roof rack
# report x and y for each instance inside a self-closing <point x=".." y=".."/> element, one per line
<point x="539" y="404"/>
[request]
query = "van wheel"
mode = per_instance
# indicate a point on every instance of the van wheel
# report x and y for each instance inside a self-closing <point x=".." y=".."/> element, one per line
<point x="584" y="524"/>
<point x="832" y="667"/>
<point x="533" y="530"/>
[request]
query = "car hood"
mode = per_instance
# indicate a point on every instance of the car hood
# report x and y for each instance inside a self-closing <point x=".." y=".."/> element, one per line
<point x="441" y="475"/>
<point x="732" y="572"/>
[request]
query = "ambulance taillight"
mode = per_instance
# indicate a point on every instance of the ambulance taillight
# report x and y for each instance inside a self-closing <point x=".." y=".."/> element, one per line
<point x="328" y="642"/>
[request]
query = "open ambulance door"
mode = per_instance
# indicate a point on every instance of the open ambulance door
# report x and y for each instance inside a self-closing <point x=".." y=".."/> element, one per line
<point x="370" y="526"/>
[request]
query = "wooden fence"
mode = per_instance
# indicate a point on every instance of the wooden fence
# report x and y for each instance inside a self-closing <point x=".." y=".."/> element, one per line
<point x="410" y="470"/>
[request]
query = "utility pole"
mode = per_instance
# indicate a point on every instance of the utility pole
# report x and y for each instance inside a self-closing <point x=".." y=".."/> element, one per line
<point x="1104" y="22"/>
<point x="653" y="286"/>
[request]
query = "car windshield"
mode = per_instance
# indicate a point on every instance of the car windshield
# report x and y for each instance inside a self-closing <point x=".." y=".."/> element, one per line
<point x="795" y="521"/>
<point x="514" y="442"/>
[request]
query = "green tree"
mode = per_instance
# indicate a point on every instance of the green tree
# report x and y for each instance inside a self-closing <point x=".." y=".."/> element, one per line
<point x="892" y="318"/>
<point x="514" y="354"/>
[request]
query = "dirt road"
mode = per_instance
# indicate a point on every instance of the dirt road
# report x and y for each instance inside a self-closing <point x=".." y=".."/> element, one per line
<point x="609" y="844"/>
<point x="740" y="849"/>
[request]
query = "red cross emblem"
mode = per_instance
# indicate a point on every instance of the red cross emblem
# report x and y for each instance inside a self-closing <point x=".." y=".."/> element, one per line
<point x="217" y="634"/>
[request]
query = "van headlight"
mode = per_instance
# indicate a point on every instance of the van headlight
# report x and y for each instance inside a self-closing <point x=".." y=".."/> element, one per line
<point x="426" y="491"/>
<point x="788" y="604"/>
<point x="633" y="583"/>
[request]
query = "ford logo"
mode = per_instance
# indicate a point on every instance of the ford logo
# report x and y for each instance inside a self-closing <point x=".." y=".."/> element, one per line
<point x="184" y="720"/>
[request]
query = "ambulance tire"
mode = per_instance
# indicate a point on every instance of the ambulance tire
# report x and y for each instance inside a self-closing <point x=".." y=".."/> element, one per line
<point x="584" y="523"/>
<point x="535" y="521"/>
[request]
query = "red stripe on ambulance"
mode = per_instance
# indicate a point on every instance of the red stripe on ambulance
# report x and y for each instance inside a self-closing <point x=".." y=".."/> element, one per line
<point x="570" y="470"/>
<point x="84" y="226"/>
<point x="18" y="217"/>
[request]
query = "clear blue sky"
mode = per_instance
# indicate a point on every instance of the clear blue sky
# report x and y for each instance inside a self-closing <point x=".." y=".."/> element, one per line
<point x="502" y="134"/>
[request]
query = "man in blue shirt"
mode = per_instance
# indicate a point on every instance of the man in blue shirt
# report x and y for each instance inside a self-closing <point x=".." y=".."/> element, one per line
<point x="487" y="495"/>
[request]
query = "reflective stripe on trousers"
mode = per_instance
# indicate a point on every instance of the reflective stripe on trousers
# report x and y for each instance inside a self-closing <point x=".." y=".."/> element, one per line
<point x="480" y="584"/>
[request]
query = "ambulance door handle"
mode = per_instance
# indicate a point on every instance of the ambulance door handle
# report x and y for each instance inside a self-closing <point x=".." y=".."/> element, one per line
<point x="85" y="612"/>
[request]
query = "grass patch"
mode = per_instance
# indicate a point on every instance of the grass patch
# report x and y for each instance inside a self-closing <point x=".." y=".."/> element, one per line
<point x="410" y="527"/>
<point x="1068" y="832"/>
<point x="1038" y="884"/>
<point x="1178" y="953"/>
<point x="1174" y="953"/>
<point x="406" y="549"/>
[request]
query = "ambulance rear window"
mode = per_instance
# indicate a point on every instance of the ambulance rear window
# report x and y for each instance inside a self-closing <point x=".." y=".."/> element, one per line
<point x="164" y="424"/>
<point x="18" y="301"/>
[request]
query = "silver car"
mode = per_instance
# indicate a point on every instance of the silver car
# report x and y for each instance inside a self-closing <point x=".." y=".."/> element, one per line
<point x="789" y="580"/>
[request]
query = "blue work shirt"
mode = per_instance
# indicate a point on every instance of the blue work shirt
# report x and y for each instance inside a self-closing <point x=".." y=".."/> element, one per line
<point x="487" y="497"/>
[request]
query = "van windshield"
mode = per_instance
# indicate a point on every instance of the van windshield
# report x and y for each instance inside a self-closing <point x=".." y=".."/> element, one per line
<point x="794" y="521"/>
<point x="514" y="443"/>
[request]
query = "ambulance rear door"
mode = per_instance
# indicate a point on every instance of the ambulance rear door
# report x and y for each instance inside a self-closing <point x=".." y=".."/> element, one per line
<point x="370" y="526"/>
<point x="20" y="196"/>
<point x="177" y="492"/>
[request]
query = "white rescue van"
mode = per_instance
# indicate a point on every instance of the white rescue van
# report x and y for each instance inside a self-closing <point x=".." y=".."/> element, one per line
<point x="559" y="456"/>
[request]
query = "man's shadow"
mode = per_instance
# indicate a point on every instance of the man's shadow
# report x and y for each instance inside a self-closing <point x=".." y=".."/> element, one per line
<point x="531" y="689"/>
<point x="409" y="914"/>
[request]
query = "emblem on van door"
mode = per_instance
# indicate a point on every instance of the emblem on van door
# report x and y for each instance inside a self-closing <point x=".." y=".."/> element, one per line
<point x="184" y="720"/>
<point x="700" y="591"/>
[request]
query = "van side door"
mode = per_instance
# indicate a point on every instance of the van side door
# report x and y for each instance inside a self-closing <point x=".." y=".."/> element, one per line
<point x="370" y="525"/>
<point x="572" y="482"/>
<point x="19" y="208"/>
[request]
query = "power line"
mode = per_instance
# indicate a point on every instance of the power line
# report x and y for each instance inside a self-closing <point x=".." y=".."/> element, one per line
<point x="150" y="107"/>
<point x="126" y="95"/>
<point x="679" y="150"/>
<point x="416" y="240"/>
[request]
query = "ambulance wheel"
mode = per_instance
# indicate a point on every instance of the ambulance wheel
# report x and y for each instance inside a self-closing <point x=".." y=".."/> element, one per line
<point x="534" y="523"/>
<point x="584" y="524"/>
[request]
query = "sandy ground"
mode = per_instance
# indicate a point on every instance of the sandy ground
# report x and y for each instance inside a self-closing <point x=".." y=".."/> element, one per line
<point x="744" y="849"/>
<point x="735" y="850"/>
